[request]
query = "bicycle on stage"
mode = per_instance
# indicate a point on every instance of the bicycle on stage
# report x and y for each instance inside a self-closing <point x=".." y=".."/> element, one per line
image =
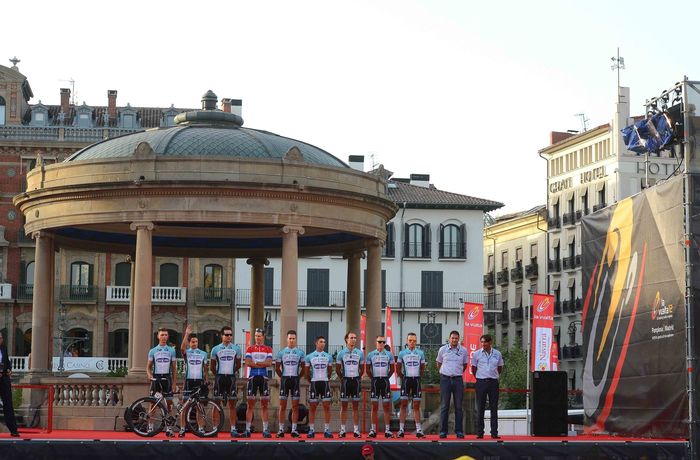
<point x="149" y="415"/>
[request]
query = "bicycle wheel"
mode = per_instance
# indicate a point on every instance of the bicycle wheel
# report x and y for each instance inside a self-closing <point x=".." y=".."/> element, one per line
<point x="205" y="418"/>
<point x="146" y="417"/>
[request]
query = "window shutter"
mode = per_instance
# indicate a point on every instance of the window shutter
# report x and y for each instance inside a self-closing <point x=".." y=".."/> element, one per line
<point x="441" y="242"/>
<point x="426" y="242"/>
<point x="463" y="241"/>
<point x="23" y="273"/>
<point x="405" y="240"/>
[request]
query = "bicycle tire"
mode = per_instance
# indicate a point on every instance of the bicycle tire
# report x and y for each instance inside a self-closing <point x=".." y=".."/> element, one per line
<point x="146" y="416"/>
<point x="205" y="412"/>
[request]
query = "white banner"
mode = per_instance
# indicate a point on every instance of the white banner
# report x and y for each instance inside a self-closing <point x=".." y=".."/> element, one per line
<point x="97" y="365"/>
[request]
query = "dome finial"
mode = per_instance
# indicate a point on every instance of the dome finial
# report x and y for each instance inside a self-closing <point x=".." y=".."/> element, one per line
<point x="209" y="100"/>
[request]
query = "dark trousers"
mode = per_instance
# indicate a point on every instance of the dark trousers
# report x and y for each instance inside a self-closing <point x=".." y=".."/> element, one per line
<point x="486" y="388"/>
<point x="6" y="395"/>
<point x="451" y="387"/>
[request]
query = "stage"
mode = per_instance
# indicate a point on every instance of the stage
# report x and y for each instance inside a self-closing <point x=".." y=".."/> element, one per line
<point x="93" y="445"/>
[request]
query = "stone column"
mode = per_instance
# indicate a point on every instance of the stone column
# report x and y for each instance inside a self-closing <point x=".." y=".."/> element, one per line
<point x="374" y="292"/>
<point x="290" y="277"/>
<point x="42" y="303"/>
<point x="130" y="259"/>
<point x="352" y="308"/>
<point x="257" y="293"/>
<point x="141" y="292"/>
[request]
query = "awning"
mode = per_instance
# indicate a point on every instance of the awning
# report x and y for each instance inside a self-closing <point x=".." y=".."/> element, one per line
<point x="569" y="196"/>
<point x="600" y="186"/>
<point x="583" y="192"/>
<point x="554" y="200"/>
<point x="555" y="244"/>
<point x="570" y="238"/>
<point x="555" y="285"/>
<point x="572" y="282"/>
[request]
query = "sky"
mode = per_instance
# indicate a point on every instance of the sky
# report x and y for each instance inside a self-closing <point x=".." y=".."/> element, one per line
<point x="465" y="91"/>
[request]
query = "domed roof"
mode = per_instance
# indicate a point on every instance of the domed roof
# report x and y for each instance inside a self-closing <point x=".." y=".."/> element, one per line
<point x="208" y="133"/>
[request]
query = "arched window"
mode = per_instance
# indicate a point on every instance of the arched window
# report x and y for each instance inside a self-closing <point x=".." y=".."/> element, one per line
<point x="213" y="282"/>
<point x="122" y="274"/>
<point x="2" y="111"/>
<point x="452" y="241"/>
<point x="83" y="343"/>
<point x="23" y="342"/>
<point x="417" y="241"/>
<point x="169" y="275"/>
<point x="29" y="273"/>
<point x="81" y="281"/>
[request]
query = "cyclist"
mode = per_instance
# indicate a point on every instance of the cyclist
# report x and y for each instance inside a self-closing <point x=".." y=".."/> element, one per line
<point x="288" y="366"/>
<point x="196" y="373"/>
<point x="225" y="361"/>
<point x="258" y="358"/>
<point x="350" y="365"/>
<point x="409" y="367"/>
<point x="380" y="365"/>
<point x="319" y="367"/>
<point x="162" y="370"/>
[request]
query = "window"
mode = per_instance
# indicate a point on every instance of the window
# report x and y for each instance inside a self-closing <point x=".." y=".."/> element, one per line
<point x="518" y="257"/>
<point x="555" y="210"/>
<point x="209" y="339"/>
<point x="572" y="245"/>
<point x="122" y="274"/>
<point x="489" y="263"/>
<point x="23" y="342"/>
<point x="169" y="275"/>
<point x="213" y="282"/>
<point x="83" y="344"/>
<point x="431" y="289"/>
<point x="572" y="289"/>
<point x="417" y="241"/>
<point x="119" y="343"/>
<point x="388" y="249"/>
<point x="269" y="281"/>
<point x="84" y="120"/>
<point x="504" y="260"/>
<point x="431" y="334"/>
<point x="128" y="121"/>
<point x="453" y="241"/>
<point x="601" y="195"/>
<point x="29" y="274"/>
<point x="317" y="293"/>
<point x="2" y="111"/>
<point x="519" y="297"/>
<point x="584" y="201"/>
<point x="313" y="330"/>
<point x="533" y="253"/>
<point x="81" y="281"/>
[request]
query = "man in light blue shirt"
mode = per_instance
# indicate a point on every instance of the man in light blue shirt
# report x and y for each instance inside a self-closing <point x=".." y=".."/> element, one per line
<point x="487" y="365"/>
<point x="289" y="364"/>
<point x="350" y="365"/>
<point x="380" y="365"/>
<point x="225" y="361"/>
<point x="195" y="372"/>
<point x="410" y="366"/>
<point x="319" y="367"/>
<point x="452" y="361"/>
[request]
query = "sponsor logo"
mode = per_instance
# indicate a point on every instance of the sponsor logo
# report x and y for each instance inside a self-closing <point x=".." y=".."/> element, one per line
<point x="542" y="306"/>
<point x="659" y="309"/>
<point x="471" y="316"/>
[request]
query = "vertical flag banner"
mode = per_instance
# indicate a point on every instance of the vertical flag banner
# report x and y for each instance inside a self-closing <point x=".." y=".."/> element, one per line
<point x="363" y="333"/>
<point x="390" y="341"/>
<point x="473" y="330"/>
<point x="245" y="347"/>
<point x="542" y="332"/>
<point x="555" y="356"/>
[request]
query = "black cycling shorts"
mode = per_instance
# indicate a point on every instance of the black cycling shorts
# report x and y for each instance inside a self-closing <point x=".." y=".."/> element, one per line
<point x="257" y="385"/>
<point x="350" y="389"/>
<point x="320" y="391"/>
<point x="193" y="384"/>
<point x="380" y="388"/>
<point x="410" y="388"/>
<point x="162" y="384"/>
<point x="289" y="387"/>
<point x="225" y="384"/>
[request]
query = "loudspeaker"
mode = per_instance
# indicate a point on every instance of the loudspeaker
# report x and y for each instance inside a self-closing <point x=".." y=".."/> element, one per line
<point x="549" y="403"/>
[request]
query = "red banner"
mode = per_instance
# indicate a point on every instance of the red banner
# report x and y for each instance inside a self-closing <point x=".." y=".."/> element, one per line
<point x="389" y="333"/>
<point x="245" y="347"/>
<point x="555" y="356"/>
<point x="542" y="332"/>
<point x="363" y="333"/>
<point x="473" y="330"/>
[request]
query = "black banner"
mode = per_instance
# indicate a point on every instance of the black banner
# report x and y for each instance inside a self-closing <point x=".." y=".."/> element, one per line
<point x="634" y="338"/>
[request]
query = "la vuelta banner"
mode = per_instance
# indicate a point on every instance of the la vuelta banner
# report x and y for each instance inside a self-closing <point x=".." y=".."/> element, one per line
<point x="555" y="356"/>
<point x="363" y="333"/>
<point x="542" y="332"/>
<point x="634" y="336"/>
<point x="473" y="330"/>
<point x="390" y="341"/>
<point x="247" y="344"/>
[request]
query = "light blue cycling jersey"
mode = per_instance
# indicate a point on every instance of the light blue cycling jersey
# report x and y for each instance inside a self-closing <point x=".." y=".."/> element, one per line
<point x="195" y="359"/>
<point x="225" y="357"/>
<point x="292" y="360"/>
<point x="351" y="361"/>
<point x="410" y="361"/>
<point x="319" y="361"/>
<point x="162" y="357"/>
<point x="380" y="362"/>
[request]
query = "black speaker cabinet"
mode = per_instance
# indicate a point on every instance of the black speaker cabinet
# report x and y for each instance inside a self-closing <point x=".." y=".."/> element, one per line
<point x="549" y="403"/>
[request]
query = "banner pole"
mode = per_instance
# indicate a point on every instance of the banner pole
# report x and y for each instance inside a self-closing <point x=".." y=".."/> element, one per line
<point x="529" y="345"/>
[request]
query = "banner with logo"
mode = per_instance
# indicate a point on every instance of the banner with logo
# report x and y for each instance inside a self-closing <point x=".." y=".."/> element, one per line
<point x="389" y="334"/>
<point x="555" y="356"/>
<point x="245" y="347"/>
<point x="363" y="333"/>
<point x="634" y="336"/>
<point x="542" y="332"/>
<point x="473" y="330"/>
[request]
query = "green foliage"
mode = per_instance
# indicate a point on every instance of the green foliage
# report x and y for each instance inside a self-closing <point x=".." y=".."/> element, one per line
<point x="514" y="377"/>
<point x="16" y="397"/>
<point x="118" y="372"/>
<point x="431" y="374"/>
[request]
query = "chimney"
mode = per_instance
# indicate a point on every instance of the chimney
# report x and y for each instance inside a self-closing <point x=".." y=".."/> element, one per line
<point x="65" y="100"/>
<point x="237" y="107"/>
<point x="357" y="162"/>
<point x="558" y="136"/>
<point x="420" y="180"/>
<point x="226" y="105"/>
<point x="112" y="103"/>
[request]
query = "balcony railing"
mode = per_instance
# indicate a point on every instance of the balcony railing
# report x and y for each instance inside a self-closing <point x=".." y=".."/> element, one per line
<point x="489" y="281"/>
<point x="502" y="277"/>
<point x="516" y="274"/>
<point x="321" y="298"/>
<point x="159" y="294"/>
<point x="504" y="316"/>
<point x="490" y="319"/>
<point x="554" y="265"/>
<point x="416" y="250"/>
<point x="531" y="271"/>
<point x="599" y="206"/>
<point x="57" y="133"/>
<point x="453" y="250"/>
<point x="571" y="352"/>
<point x="78" y="293"/>
<point x="569" y="263"/>
<point x="569" y="218"/>
<point x="571" y="306"/>
<point x="25" y="292"/>
<point x="516" y="314"/>
<point x="213" y="296"/>
<point x="554" y="223"/>
<point x="577" y="261"/>
<point x="5" y="291"/>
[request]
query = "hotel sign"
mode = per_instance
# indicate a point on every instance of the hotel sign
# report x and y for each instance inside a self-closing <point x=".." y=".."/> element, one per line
<point x="593" y="174"/>
<point x="560" y="185"/>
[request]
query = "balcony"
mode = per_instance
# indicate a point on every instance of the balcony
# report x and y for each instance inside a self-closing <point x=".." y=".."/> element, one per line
<point x="60" y="133"/>
<point x="554" y="265"/>
<point x="578" y="305"/>
<point x="554" y="223"/>
<point x="489" y="281"/>
<point x="571" y="352"/>
<point x="321" y="298"/>
<point x="502" y="277"/>
<point x="577" y="261"/>
<point x="78" y="293"/>
<point x="599" y="207"/>
<point x="516" y="314"/>
<point x="572" y="306"/>
<point x="159" y="294"/>
<point x="516" y="274"/>
<point x="453" y="250"/>
<point x="5" y="291"/>
<point x="25" y="292"/>
<point x="213" y="296"/>
<point x="531" y="271"/>
<point x="569" y="218"/>
<point x="504" y="317"/>
<point x="490" y="319"/>
<point x="569" y="263"/>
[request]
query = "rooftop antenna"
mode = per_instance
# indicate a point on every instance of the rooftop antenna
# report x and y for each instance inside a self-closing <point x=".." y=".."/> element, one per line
<point x="371" y="156"/>
<point x="584" y="120"/>
<point x="618" y="64"/>
<point x="72" y="89"/>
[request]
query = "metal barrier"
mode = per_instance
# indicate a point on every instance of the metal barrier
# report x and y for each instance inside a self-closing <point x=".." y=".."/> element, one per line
<point x="49" y="402"/>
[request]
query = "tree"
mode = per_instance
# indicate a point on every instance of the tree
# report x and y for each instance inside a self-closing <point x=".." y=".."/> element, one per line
<point x="514" y="377"/>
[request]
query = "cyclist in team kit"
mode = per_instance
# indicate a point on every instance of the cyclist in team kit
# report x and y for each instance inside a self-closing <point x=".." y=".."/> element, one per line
<point x="162" y="370"/>
<point x="409" y="367"/>
<point x="195" y="373"/>
<point x="350" y="365"/>
<point x="258" y="358"/>
<point x="289" y="365"/>
<point x="380" y="365"/>
<point x="225" y="361"/>
<point x="319" y="367"/>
